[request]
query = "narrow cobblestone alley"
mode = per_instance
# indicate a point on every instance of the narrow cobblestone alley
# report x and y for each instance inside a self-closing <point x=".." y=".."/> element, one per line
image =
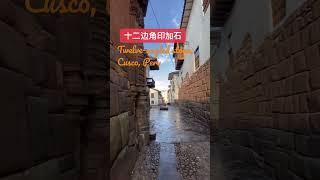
<point x="181" y="149"/>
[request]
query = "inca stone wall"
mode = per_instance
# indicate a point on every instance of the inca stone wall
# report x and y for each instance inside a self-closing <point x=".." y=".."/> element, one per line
<point x="53" y="96"/>
<point x="270" y="103"/>
<point x="129" y="103"/>
<point x="194" y="94"/>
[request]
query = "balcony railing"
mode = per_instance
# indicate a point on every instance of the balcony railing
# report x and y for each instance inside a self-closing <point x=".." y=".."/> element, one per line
<point x="151" y="83"/>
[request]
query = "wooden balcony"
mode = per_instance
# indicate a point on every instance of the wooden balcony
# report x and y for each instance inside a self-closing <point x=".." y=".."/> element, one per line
<point x="151" y="83"/>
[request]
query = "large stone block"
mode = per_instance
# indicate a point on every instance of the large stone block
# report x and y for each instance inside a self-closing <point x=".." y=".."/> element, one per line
<point x="123" y="102"/>
<point x="313" y="168"/>
<point x="98" y="129"/>
<point x="48" y="170"/>
<point x="98" y="114"/>
<point x="37" y="65"/>
<point x="315" y="80"/>
<point x="315" y="29"/>
<point x="14" y="133"/>
<point x="69" y="39"/>
<point x="114" y="100"/>
<point x="20" y="176"/>
<point x="66" y="163"/>
<point x="299" y="62"/>
<point x="7" y="11"/>
<point x="70" y="175"/>
<point x="298" y="165"/>
<point x="62" y="135"/>
<point x="308" y="146"/>
<point x="124" y="123"/>
<point x="25" y="22"/>
<point x="301" y="83"/>
<point x="39" y="128"/>
<point x="124" y="164"/>
<point x="315" y="122"/>
<point x="313" y="56"/>
<point x="115" y="138"/>
<point x="13" y="50"/>
<point x="55" y="100"/>
<point x="314" y="102"/>
<point x="55" y="73"/>
<point x="276" y="158"/>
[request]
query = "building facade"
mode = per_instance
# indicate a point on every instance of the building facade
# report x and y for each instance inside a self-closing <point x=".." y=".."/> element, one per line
<point x="156" y="97"/>
<point x="194" y="69"/>
<point x="265" y="90"/>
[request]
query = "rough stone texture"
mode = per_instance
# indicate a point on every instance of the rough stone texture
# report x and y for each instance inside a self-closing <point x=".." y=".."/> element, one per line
<point x="147" y="165"/>
<point x="193" y="160"/>
<point x="269" y="104"/>
<point x="52" y="90"/>
<point x="128" y="93"/>
<point x="278" y="10"/>
<point x="194" y="94"/>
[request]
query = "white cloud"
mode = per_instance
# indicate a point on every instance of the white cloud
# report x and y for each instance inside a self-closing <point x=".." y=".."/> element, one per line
<point x="164" y="58"/>
<point x="175" y="22"/>
<point x="162" y="85"/>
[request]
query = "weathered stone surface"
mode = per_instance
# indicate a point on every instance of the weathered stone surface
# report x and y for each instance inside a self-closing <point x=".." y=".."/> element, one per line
<point x="70" y="175"/>
<point x="48" y="170"/>
<point x="62" y="135"/>
<point x="308" y="146"/>
<point x="21" y="176"/>
<point x="13" y="50"/>
<point x="115" y="137"/>
<point x="39" y="128"/>
<point x="114" y="100"/>
<point x="124" y="123"/>
<point x="98" y="129"/>
<point x="66" y="163"/>
<point x="55" y="73"/>
<point x="26" y="23"/>
<point x="14" y="130"/>
<point x="121" y="169"/>
<point x="55" y="100"/>
<point x="7" y="11"/>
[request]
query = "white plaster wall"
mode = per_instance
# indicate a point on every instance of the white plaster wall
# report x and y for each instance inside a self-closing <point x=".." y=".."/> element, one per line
<point x="156" y="97"/>
<point x="198" y="34"/>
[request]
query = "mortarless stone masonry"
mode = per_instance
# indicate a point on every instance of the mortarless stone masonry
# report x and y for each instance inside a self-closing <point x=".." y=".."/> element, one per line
<point x="53" y="98"/>
<point x="129" y="125"/>
<point x="194" y="94"/>
<point x="269" y="106"/>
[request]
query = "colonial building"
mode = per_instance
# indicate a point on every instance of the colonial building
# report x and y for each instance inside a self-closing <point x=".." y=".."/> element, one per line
<point x="156" y="97"/>
<point x="194" y="69"/>
<point x="265" y="88"/>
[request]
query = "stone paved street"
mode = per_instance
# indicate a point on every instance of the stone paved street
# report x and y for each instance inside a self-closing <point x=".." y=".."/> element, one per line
<point x="181" y="149"/>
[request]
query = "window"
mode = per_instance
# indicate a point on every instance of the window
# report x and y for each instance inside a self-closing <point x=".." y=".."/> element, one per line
<point x="152" y="95"/>
<point x="197" y="59"/>
<point x="152" y="102"/>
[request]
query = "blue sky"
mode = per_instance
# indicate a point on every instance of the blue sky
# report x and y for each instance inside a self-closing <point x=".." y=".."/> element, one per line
<point x="168" y="14"/>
